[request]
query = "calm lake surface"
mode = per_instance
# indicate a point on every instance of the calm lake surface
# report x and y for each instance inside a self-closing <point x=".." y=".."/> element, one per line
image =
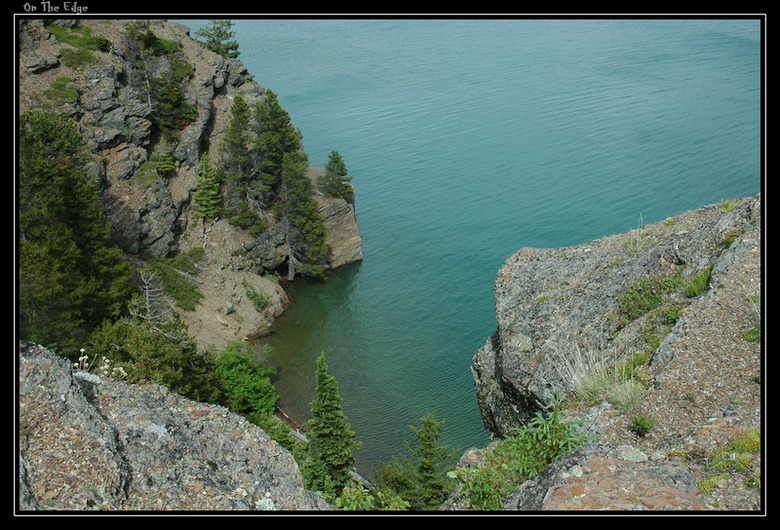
<point x="467" y="140"/>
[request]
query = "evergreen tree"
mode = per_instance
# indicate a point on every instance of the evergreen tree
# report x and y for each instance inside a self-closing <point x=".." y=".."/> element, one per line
<point x="241" y="202"/>
<point x="275" y="137"/>
<point x="70" y="278"/>
<point x="332" y="442"/>
<point x="219" y="38"/>
<point x="420" y="478"/>
<point x="336" y="180"/>
<point x="207" y="194"/>
<point x="304" y="227"/>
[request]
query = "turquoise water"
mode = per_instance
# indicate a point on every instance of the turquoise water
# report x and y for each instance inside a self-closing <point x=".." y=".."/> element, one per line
<point x="467" y="140"/>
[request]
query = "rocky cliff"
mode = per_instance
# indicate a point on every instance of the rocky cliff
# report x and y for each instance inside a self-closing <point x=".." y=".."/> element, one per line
<point x="88" y="73"/>
<point x="628" y="300"/>
<point x="91" y="443"/>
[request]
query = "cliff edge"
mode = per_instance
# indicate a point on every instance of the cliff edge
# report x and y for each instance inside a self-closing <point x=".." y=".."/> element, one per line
<point x="88" y="69"/>
<point x="677" y="305"/>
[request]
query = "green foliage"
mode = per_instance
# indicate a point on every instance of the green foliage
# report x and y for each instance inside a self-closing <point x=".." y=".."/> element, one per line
<point x="259" y="300"/>
<point x="241" y="193"/>
<point x="83" y="43"/>
<point x="729" y="237"/>
<point x="77" y="58"/>
<point x="642" y="424"/>
<point x="646" y="294"/>
<point x="336" y="180"/>
<point x="520" y="457"/>
<point x="161" y="352"/>
<point x="171" y="111"/>
<point x="63" y="90"/>
<point x="706" y="485"/>
<point x="207" y="194"/>
<point x="70" y="279"/>
<point x="275" y="137"/>
<point x="698" y="283"/>
<point x="621" y="384"/>
<point x="306" y="234"/>
<point x="80" y="37"/>
<point x="330" y="453"/>
<point x="354" y="497"/>
<point x="738" y="457"/>
<point x="726" y="206"/>
<point x="165" y="88"/>
<point x="671" y="314"/>
<point x="752" y="335"/>
<point x="156" y="45"/>
<point x="421" y="478"/>
<point x="249" y="390"/>
<point x="625" y="395"/>
<point x="163" y="162"/>
<point x="219" y="38"/>
<point x="177" y="277"/>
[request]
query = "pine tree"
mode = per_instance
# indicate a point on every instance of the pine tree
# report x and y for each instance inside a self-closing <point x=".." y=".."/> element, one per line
<point x="304" y="227"/>
<point x="242" y="206"/>
<point x="207" y="194"/>
<point x="336" y="180"/>
<point x="420" y="478"/>
<point x="219" y="38"/>
<point x="70" y="278"/>
<point x="275" y="137"/>
<point x="331" y="439"/>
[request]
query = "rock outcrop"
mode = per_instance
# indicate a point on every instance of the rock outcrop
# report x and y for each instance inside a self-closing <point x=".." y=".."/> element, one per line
<point x="92" y="443"/>
<point x="152" y="212"/>
<point x="560" y="319"/>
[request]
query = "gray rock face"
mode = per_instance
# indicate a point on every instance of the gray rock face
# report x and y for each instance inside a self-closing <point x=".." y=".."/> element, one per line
<point x="91" y="443"/>
<point x="557" y="309"/>
<point x="150" y="212"/>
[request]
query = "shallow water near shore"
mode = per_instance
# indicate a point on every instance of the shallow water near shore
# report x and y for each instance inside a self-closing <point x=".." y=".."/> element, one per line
<point x="467" y="140"/>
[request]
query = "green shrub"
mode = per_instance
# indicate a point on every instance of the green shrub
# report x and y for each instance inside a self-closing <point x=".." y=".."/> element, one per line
<point x="80" y="37"/>
<point x="698" y="284"/>
<point x="706" y="485"/>
<point x="259" y="300"/>
<point x="83" y="42"/>
<point x="641" y="425"/>
<point x="752" y="335"/>
<point x="248" y="383"/>
<point x="163" y="163"/>
<point x="646" y="294"/>
<point x="520" y="457"/>
<point x="735" y="457"/>
<point x="729" y="237"/>
<point x="671" y="314"/>
<point x="158" y="45"/>
<point x="63" y="90"/>
<point x="77" y="58"/>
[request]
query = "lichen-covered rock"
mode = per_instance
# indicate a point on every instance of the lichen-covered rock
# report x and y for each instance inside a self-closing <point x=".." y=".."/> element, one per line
<point x="88" y="443"/>
<point x="557" y="309"/>
<point x="698" y="389"/>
